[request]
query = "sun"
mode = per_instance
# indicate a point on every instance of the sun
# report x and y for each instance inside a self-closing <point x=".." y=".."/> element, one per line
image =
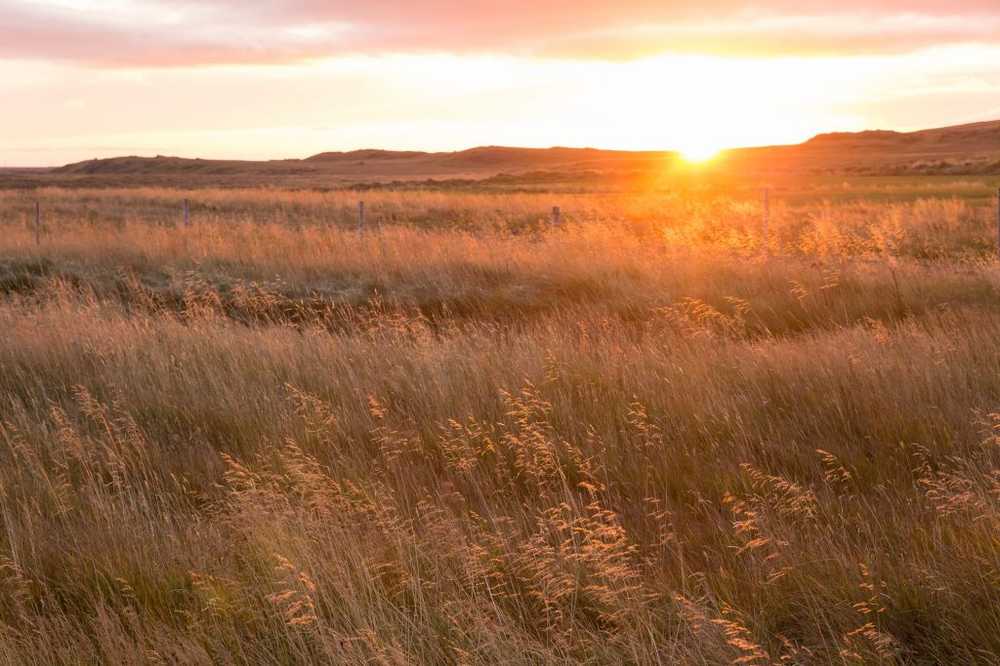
<point x="699" y="152"/>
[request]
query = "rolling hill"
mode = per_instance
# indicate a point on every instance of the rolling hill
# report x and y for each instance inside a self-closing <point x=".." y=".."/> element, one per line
<point x="964" y="149"/>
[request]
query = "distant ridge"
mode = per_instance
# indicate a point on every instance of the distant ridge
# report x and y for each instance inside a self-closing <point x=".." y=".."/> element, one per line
<point x="982" y="134"/>
<point x="478" y="162"/>
<point x="868" y="136"/>
<point x="962" y="149"/>
<point x="482" y="155"/>
<point x="365" y="154"/>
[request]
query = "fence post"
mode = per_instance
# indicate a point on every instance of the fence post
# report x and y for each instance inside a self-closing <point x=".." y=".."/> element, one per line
<point x="998" y="222"/>
<point x="187" y="214"/>
<point x="38" y="223"/>
<point x="766" y="220"/>
<point x="556" y="216"/>
<point x="361" y="217"/>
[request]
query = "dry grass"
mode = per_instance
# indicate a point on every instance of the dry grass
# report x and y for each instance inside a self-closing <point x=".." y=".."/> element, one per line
<point x="468" y="439"/>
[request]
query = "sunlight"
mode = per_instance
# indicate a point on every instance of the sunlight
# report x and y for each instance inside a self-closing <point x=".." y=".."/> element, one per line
<point x="698" y="153"/>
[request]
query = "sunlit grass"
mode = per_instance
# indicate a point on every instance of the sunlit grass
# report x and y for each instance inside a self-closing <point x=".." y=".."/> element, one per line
<point x="463" y="436"/>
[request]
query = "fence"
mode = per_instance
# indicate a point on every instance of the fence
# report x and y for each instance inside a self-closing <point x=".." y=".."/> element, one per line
<point x="556" y="219"/>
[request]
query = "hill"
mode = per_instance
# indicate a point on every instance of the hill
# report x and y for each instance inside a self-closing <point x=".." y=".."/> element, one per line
<point x="964" y="149"/>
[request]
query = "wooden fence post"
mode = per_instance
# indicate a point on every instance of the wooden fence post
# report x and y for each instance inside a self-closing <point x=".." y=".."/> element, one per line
<point x="998" y="222"/>
<point x="766" y="221"/>
<point x="556" y="216"/>
<point x="361" y="217"/>
<point x="38" y="223"/>
<point x="187" y="214"/>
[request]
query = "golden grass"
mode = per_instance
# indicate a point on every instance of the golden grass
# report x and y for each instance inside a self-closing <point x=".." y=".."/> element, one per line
<point x="465" y="438"/>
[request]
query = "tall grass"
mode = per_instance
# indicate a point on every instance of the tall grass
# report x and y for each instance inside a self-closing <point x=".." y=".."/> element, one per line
<point x="630" y="440"/>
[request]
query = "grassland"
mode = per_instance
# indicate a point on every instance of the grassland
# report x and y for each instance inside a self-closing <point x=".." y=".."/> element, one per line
<point x="465" y="437"/>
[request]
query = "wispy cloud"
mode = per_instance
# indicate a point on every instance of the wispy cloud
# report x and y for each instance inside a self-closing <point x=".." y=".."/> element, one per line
<point x="155" y="34"/>
<point x="145" y="33"/>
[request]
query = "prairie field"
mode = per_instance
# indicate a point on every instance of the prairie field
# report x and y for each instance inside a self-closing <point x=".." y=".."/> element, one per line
<point x="653" y="434"/>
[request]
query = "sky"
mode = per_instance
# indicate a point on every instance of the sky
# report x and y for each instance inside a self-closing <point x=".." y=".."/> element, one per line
<point x="245" y="79"/>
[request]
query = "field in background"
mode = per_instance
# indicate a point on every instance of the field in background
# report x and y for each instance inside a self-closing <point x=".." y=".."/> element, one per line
<point x="465" y="436"/>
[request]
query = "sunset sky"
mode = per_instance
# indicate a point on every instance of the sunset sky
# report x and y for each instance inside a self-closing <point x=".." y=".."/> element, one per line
<point x="243" y="79"/>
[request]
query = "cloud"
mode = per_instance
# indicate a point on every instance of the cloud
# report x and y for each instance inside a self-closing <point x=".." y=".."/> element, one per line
<point x="151" y="33"/>
<point x="772" y="35"/>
